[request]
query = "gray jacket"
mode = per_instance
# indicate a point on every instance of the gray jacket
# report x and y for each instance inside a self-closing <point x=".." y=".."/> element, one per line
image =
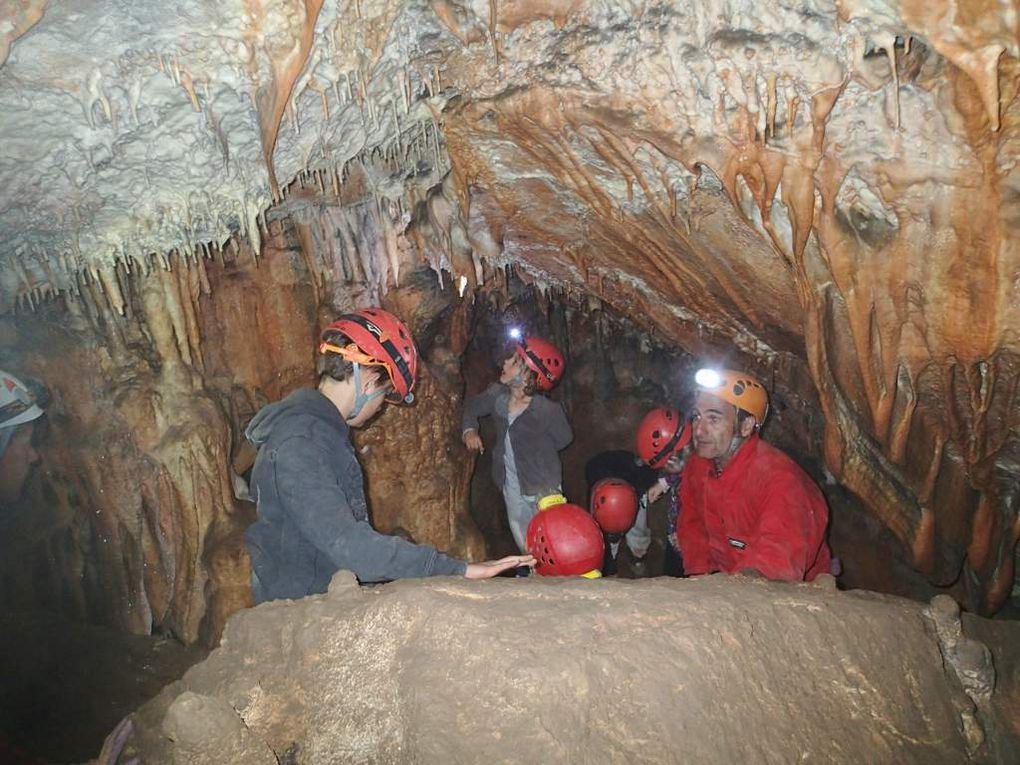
<point x="312" y="514"/>
<point x="538" y="434"/>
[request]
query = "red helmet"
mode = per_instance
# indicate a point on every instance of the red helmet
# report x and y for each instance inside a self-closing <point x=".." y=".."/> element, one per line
<point x="382" y="340"/>
<point x="614" y="505"/>
<point x="565" y="540"/>
<point x="544" y="359"/>
<point x="661" y="434"/>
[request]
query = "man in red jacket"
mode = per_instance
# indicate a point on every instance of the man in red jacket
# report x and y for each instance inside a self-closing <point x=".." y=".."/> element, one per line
<point x="747" y="507"/>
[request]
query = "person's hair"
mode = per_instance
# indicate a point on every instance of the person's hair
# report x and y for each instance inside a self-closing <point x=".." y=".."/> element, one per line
<point x="336" y="367"/>
<point x="530" y="381"/>
<point x="333" y="365"/>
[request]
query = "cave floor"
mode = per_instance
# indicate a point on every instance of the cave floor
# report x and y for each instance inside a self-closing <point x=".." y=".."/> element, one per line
<point x="65" y="686"/>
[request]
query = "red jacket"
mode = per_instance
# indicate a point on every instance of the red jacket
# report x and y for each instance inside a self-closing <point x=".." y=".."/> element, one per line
<point x="762" y="512"/>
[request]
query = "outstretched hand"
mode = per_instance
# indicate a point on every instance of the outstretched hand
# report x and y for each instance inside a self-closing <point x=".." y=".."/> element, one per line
<point x="490" y="568"/>
<point x="473" y="442"/>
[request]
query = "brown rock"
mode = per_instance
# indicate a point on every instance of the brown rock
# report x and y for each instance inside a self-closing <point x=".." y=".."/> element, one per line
<point x="710" y="670"/>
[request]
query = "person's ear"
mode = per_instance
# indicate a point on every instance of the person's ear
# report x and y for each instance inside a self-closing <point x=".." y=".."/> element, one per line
<point x="371" y="379"/>
<point x="748" y="426"/>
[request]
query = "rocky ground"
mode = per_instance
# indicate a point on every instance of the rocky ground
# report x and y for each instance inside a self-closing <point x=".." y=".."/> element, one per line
<point x="63" y="686"/>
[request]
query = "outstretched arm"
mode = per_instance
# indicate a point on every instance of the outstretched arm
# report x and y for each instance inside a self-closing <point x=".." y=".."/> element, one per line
<point x="318" y="504"/>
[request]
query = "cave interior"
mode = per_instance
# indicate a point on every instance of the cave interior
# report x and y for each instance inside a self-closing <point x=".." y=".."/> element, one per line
<point x="823" y="194"/>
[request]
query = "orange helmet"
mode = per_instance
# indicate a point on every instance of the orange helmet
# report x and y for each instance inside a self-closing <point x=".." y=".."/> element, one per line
<point x="544" y="359"/>
<point x="565" y="541"/>
<point x="738" y="388"/>
<point x="614" y="505"/>
<point x="661" y="434"/>
<point x="379" y="339"/>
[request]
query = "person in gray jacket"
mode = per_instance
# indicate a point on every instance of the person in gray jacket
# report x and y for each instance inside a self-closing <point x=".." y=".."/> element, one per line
<point x="307" y="483"/>
<point x="531" y="429"/>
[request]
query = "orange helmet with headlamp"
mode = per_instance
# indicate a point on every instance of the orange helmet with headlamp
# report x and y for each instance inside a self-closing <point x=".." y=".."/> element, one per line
<point x="737" y="388"/>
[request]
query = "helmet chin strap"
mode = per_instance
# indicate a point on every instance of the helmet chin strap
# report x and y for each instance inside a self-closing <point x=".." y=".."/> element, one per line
<point x="360" y="397"/>
<point x="720" y="462"/>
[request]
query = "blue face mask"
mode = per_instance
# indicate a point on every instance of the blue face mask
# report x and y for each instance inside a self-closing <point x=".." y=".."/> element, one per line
<point x="360" y="397"/>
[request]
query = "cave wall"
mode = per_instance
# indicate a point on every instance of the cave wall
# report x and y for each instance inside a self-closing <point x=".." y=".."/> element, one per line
<point x="131" y="518"/>
<point x="838" y="201"/>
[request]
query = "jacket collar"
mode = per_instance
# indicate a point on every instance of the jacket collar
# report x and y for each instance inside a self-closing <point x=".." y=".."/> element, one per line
<point x="739" y="461"/>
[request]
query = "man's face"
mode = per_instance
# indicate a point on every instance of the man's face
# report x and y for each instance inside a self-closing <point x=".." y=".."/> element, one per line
<point x="714" y="423"/>
<point x="15" y="464"/>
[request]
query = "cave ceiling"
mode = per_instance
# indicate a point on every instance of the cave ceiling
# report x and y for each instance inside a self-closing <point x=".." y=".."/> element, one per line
<point x="829" y="186"/>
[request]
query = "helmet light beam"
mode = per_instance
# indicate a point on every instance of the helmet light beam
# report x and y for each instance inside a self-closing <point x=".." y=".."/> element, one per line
<point x="707" y="378"/>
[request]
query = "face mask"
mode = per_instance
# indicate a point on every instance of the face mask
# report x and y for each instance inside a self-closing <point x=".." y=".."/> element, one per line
<point x="360" y="397"/>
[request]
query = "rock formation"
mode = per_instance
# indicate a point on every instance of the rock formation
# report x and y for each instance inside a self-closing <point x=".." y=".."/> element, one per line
<point x="713" y="670"/>
<point x="824" y="192"/>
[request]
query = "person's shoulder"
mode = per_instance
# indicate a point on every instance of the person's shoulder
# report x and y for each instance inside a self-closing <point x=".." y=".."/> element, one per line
<point x="769" y="457"/>
<point x="546" y="404"/>
<point x="307" y="430"/>
<point x="778" y="469"/>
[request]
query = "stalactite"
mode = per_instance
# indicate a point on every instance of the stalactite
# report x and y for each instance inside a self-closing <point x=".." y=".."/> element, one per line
<point x="890" y="50"/>
<point x="187" y="290"/>
<point x="175" y="313"/>
<point x="772" y="104"/>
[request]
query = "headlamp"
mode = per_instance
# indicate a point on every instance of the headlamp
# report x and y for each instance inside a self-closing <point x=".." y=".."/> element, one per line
<point x="707" y="378"/>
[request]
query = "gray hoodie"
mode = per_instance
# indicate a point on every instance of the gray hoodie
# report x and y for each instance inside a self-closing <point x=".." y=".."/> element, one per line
<point x="312" y="514"/>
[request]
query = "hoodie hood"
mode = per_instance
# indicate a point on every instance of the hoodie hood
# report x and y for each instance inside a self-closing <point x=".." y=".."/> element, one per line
<point x="304" y="402"/>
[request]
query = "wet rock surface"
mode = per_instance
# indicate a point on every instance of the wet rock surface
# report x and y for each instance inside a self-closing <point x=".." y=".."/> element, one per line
<point x="718" y="669"/>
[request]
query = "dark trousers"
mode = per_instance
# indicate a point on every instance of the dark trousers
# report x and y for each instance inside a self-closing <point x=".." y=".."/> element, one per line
<point x="673" y="562"/>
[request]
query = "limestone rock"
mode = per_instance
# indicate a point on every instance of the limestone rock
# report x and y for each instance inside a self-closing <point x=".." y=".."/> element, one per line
<point x="206" y="731"/>
<point x="716" y="669"/>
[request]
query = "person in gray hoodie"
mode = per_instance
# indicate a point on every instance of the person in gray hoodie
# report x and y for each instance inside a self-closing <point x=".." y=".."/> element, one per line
<point x="531" y="429"/>
<point x="307" y="483"/>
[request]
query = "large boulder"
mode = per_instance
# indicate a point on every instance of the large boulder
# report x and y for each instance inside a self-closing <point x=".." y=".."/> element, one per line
<point x="715" y="669"/>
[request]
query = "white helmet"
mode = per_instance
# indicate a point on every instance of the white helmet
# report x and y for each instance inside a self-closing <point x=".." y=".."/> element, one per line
<point x="17" y="405"/>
